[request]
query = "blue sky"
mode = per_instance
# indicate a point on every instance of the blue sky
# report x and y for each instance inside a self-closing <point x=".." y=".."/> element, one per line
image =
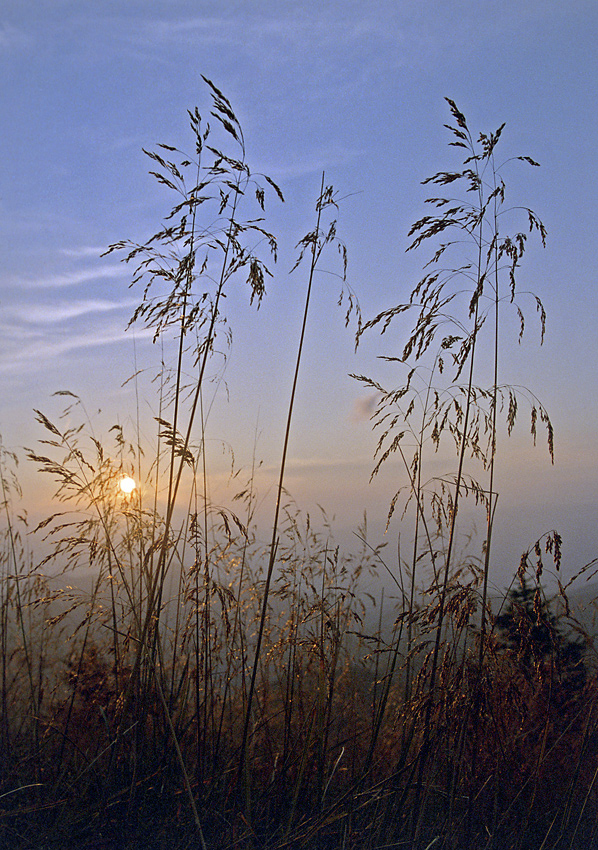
<point x="357" y="89"/>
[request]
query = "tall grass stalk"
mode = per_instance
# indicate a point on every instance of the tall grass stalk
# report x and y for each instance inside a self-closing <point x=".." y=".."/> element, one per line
<point x="315" y="241"/>
<point x="437" y="296"/>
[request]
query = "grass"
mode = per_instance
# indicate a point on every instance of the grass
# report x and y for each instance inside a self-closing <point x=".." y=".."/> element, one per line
<point x="214" y="691"/>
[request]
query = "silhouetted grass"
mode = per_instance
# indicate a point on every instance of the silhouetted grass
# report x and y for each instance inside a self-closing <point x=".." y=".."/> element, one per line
<point x="211" y="690"/>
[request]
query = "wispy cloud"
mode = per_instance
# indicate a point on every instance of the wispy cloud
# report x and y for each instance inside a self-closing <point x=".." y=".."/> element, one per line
<point x="298" y="28"/>
<point x="284" y="39"/>
<point x="208" y="30"/>
<point x="63" y="311"/>
<point x="26" y="350"/>
<point x="41" y="322"/>
<point x="72" y="278"/>
<point x="84" y="251"/>
<point x="299" y="466"/>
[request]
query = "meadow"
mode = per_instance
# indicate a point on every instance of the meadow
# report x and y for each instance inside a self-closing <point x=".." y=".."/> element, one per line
<point x="211" y="690"/>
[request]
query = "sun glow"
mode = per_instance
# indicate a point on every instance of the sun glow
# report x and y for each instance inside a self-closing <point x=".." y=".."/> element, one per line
<point x="127" y="484"/>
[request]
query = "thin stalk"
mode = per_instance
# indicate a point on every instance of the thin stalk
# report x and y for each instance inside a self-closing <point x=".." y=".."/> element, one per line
<point x="35" y="695"/>
<point x="274" y="540"/>
<point x="172" y="495"/>
<point x="494" y="402"/>
<point x="236" y="629"/>
<point x="150" y="625"/>
<point x="181" y="760"/>
<point x="418" y="809"/>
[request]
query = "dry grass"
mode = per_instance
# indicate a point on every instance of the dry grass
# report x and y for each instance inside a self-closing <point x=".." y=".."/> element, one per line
<point x="212" y="691"/>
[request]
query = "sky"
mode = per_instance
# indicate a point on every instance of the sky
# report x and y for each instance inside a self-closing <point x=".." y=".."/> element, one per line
<point x="355" y="89"/>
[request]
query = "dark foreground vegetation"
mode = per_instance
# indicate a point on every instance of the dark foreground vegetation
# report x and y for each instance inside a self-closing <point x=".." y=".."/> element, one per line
<point x="214" y="691"/>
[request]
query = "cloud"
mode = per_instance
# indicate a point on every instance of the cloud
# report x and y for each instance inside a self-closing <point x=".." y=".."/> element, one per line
<point x="298" y="466"/>
<point x="301" y="34"/>
<point x="84" y="251"/>
<point x="73" y="278"/>
<point x="24" y="350"/>
<point x="65" y="310"/>
<point x="364" y="407"/>
<point x="207" y="30"/>
<point x="300" y="28"/>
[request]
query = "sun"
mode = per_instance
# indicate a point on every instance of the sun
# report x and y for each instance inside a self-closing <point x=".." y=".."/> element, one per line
<point x="127" y="484"/>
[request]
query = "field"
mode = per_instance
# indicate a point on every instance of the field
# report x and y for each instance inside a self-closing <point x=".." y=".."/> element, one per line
<point x="208" y="689"/>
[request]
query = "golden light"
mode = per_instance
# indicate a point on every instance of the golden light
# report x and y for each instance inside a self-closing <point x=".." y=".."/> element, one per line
<point x="127" y="484"/>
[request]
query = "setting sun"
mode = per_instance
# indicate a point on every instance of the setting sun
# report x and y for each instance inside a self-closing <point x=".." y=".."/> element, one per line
<point x="127" y="484"/>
